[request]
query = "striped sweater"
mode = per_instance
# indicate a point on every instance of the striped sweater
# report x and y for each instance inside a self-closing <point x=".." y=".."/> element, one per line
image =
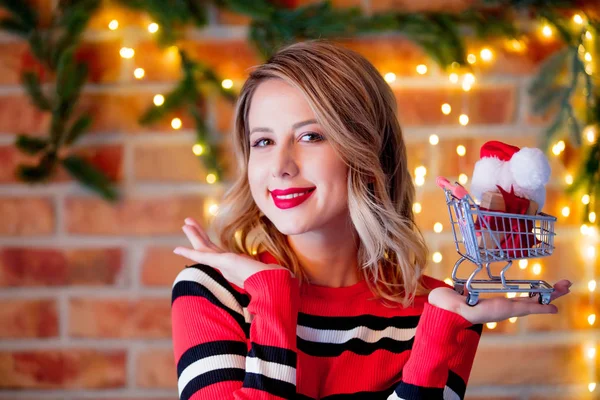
<point x="276" y="340"/>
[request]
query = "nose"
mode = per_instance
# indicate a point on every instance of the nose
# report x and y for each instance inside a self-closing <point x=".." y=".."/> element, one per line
<point x="284" y="162"/>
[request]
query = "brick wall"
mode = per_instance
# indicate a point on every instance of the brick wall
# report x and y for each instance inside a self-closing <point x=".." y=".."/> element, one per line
<point x="85" y="286"/>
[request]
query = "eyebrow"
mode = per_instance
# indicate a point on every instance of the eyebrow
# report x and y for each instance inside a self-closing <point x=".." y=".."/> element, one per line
<point x="294" y="127"/>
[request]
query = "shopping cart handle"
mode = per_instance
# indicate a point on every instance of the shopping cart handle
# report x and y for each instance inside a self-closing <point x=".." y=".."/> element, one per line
<point x="457" y="190"/>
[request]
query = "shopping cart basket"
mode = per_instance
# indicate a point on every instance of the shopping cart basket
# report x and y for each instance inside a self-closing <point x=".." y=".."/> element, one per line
<point x="483" y="237"/>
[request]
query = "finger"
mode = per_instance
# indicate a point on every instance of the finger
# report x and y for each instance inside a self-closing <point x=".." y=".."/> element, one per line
<point x="194" y="223"/>
<point x="210" y="259"/>
<point x="194" y="238"/>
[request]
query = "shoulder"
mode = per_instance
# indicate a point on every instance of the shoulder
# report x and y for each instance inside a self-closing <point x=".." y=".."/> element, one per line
<point x="208" y="282"/>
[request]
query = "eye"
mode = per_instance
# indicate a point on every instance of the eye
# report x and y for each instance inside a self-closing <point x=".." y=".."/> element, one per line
<point x="255" y="144"/>
<point x="318" y="136"/>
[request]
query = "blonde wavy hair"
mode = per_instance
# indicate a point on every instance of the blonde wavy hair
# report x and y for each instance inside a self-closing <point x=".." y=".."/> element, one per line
<point x="357" y="110"/>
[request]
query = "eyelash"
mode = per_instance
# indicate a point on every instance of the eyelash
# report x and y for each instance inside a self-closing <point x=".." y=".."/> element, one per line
<point x="255" y="144"/>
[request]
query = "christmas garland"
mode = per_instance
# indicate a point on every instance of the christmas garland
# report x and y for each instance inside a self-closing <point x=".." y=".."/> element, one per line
<point x="276" y="23"/>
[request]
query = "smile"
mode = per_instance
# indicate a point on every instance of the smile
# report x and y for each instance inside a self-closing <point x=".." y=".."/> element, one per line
<point x="291" y="200"/>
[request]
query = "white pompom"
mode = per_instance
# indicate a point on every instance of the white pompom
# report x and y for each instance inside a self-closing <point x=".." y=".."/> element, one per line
<point x="485" y="176"/>
<point x="530" y="168"/>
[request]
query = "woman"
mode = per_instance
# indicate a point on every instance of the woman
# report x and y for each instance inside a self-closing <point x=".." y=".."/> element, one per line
<point x="317" y="287"/>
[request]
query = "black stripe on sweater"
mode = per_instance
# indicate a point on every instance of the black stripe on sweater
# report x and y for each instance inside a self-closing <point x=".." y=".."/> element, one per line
<point x="273" y="354"/>
<point x="347" y="323"/>
<point x="210" y="349"/>
<point x="210" y="378"/>
<point x="270" y="385"/>
<point x="190" y="288"/>
<point x="355" y="345"/>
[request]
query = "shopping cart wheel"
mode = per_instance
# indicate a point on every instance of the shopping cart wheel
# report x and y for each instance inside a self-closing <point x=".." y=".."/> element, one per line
<point x="544" y="298"/>
<point x="459" y="288"/>
<point x="472" y="298"/>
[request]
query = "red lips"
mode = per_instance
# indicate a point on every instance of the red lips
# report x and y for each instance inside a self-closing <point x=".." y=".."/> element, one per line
<point x="292" y="202"/>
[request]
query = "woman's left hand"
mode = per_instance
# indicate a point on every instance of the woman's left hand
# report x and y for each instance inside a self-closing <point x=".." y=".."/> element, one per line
<point x="236" y="268"/>
<point x="495" y="309"/>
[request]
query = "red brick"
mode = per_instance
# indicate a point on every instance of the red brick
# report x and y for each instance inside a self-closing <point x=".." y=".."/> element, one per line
<point x="224" y="110"/>
<point x="140" y="216"/>
<point x="127" y="17"/>
<point x="120" y="318"/>
<point x="160" y="266"/>
<point x="22" y="216"/>
<point x="230" y="58"/>
<point x="108" y="158"/>
<point x="18" y="115"/>
<point x="28" y="319"/>
<point x="13" y="56"/>
<point x="159" y="64"/>
<point x="103" y="59"/>
<point x="173" y="162"/>
<point x="529" y="364"/>
<point x="484" y="105"/>
<point x="155" y="369"/>
<point x="22" y="266"/>
<point x="62" y="369"/>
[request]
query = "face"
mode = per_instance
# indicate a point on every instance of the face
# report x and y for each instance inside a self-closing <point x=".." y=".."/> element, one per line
<point x="289" y="149"/>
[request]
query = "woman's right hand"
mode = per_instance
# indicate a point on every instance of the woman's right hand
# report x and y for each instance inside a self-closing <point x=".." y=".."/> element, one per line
<point x="236" y="268"/>
<point x="495" y="309"/>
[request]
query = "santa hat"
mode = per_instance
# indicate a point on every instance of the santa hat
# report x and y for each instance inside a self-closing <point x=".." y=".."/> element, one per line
<point x="527" y="170"/>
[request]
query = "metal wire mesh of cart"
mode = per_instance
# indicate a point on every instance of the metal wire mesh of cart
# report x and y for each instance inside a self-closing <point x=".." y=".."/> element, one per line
<point x="484" y="236"/>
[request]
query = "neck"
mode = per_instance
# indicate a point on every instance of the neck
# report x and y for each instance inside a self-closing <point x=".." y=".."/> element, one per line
<point x="329" y="257"/>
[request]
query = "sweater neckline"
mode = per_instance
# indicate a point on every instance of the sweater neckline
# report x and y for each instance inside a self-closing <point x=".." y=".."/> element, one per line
<point x="311" y="290"/>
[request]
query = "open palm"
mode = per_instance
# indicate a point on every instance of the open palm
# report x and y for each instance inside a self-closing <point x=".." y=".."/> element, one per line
<point x="495" y="309"/>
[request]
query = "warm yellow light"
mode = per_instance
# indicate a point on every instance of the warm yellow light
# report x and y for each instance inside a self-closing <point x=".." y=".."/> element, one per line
<point x="471" y="59"/>
<point x="389" y="77"/>
<point x="591" y="319"/>
<point x="555" y="150"/>
<point x="446" y="109"/>
<point x="511" y="295"/>
<point x="438" y="227"/>
<point x="566" y="211"/>
<point x="227" y="84"/>
<point x="211" y="178"/>
<point x="592" y="386"/>
<point x="159" y="100"/>
<point x="569" y="179"/>
<point x="588" y="35"/>
<point x="417" y="208"/>
<point x="585" y="199"/>
<point x="588" y="57"/>
<point x="590" y="252"/>
<point x="422" y="69"/>
<point x="591" y="353"/>
<point x="420" y="180"/>
<point x="577" y="19"/>
<point x="589" y="132"/>
<point x="213" y="209"/>
<point x="153" y="27"/>
<point x="434" y="139"/>
<point x="561" y="145"/>
<point x="512" y="320"/>
<point x="592" y="285"/>
<point x="523" y="264"/>
<point x="463" y="179"/>
<point x="461" y="150"/>
<point x="176" y="123"/>
<point x="486" y="54"/>
<point x="588" y="69"/>
<point x="463" y="119"/>
<point x="127" y="52"/>
<point x="437" y="257"/>
<point x="139" y="73"/>
<point x="466" y="86"/>
<point x="197" y="149"/>
<point x="420" y="171"/>
<point x="584" y="229"/>
<point x="524" y="294"/>
<point x="491" y="325"/>
<point x="517" y="45"/>
<point x="536" y="269"/>
<point x="453" y="77"/>
<point x="113" y="25"/>
<point x="547" y="31"/>
<point x="592" y="217"/>
<point x="448" y="282"/>
<point x="469" y="77"/>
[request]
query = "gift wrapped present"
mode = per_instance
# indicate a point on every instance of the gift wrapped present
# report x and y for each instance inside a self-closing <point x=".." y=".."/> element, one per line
<point x="508" y="232"/>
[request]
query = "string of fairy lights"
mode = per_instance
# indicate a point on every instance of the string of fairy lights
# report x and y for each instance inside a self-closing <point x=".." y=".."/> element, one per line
<point x="466" y="80"/>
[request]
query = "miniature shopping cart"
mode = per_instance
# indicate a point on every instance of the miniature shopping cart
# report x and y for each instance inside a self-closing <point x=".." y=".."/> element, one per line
<point x="484" y="237"/>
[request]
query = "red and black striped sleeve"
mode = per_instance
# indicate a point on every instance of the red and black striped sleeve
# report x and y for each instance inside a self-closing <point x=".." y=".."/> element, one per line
<point x="231" y="343"/>
<point x="441" y="358"/>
